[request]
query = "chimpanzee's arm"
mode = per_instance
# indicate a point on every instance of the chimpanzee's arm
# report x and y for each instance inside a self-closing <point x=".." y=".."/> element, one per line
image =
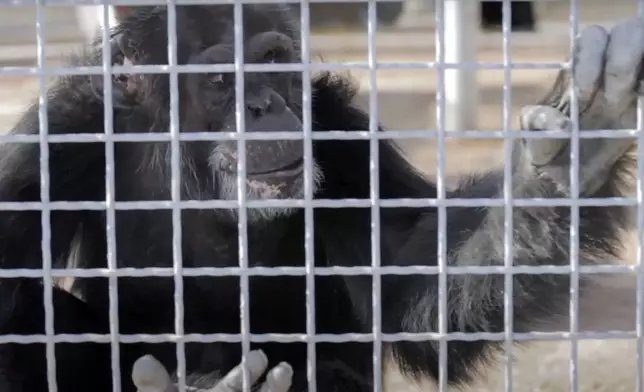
<point x="76" y="172"/>
<point x="608" y="82"/>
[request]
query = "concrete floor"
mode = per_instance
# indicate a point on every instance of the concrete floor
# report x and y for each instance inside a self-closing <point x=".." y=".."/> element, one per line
<point x="406" y="101"/>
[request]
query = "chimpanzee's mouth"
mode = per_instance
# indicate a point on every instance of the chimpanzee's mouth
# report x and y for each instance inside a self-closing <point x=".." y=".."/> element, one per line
<point x="293" y="168"/>
<point x="261" y="163"/>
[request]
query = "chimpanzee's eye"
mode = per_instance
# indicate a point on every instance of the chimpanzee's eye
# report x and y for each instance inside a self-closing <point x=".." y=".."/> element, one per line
<point x="271" y="57"/>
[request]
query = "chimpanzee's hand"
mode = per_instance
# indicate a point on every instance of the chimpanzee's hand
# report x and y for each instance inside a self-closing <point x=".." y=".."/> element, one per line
<point x="149" y="375"/>
<point x="608" y="82"/>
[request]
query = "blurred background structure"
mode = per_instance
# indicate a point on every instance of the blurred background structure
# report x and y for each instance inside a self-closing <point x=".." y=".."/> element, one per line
<point x="406" y="101"/>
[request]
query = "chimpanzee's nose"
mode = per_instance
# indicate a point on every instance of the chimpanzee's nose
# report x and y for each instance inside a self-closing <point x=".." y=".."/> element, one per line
<point x="266" y="102"/>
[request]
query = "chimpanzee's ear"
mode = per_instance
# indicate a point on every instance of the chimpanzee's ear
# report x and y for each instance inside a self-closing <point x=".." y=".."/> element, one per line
<point x="138" y="40"/>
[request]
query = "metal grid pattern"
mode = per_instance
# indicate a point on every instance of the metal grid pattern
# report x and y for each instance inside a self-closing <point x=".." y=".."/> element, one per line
<point x="309" y="270"/>
<point x="639" y="311"/>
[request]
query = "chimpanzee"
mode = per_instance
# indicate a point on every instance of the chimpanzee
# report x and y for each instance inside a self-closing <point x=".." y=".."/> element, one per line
<point x="607" y="86"/>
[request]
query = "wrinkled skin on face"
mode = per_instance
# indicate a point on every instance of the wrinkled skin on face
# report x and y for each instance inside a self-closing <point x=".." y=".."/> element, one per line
<point x="274" y="169"/>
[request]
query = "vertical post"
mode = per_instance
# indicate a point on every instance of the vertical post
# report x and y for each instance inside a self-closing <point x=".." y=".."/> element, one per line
<point x="90" y="19"/>
<point x="461" y="89"/>
<point x="422" y="6"/>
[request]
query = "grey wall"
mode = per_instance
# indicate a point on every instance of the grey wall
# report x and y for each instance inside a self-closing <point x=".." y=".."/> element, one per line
<point x="17" y="25"/>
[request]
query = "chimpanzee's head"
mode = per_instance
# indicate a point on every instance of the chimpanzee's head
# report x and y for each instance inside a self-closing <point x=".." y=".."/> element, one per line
<point x="207" y="101"/>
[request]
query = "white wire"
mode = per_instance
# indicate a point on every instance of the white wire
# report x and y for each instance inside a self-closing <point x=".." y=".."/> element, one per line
<point x="318" y="338"/>
<point x="175" y="190"/>
<point x="110" y="195"/>
<point x="639" y="315"/>
<point x="508" y="196"/>
<point x="574" y="209"/>
<point x="242" y="224"/>
<point x="277" y="67"/>
<point x="309" y="229"/>
<point x="374" y="196"/>
<point x="44" y="197"/>
<point x="440" y="199"/>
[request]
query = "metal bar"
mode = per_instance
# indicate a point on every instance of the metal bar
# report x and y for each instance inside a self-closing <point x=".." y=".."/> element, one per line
<point x="110" y="198"/>
<point x="175" y="191"/>
<point x="574" y="209"/>
<point x="44" y="197"/>
<point x="309" y="230"/>
<point x="508" y="196"/>
<point x="318" y="203"/>
<point x="639" y="311"/>
<point x="318" y="135"/>
<point x="318" y="338"/>
<point x="319" y="271"/>
<point x="330" y="66"/>
<point x="441" y="193"/>
<point x="374" y="196"/>
<point x="242" y="223"/>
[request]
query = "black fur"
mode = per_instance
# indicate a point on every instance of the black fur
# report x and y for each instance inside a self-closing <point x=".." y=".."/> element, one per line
<point x="277" y="304"/>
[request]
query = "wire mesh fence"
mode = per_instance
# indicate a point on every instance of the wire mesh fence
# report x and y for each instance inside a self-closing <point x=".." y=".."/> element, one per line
<point x="309" y="268"/>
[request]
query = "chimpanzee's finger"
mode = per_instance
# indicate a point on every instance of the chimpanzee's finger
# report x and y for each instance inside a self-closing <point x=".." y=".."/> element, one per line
<point x="590" y="49"/>
<point x="233" y="381"/>
<point x="544" y="118"/>
<point x="279" y="379"/>
<point x="149" y="375"/>
<point x="623" y="63"/>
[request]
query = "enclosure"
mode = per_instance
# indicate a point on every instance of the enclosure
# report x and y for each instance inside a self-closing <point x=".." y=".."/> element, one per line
<point x="402" y="74"/>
